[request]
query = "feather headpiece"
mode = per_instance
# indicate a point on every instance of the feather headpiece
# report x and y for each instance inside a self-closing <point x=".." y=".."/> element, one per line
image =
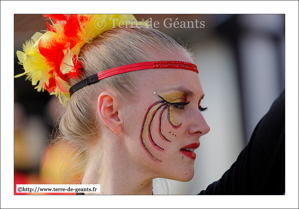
<point x="50" y="59"/>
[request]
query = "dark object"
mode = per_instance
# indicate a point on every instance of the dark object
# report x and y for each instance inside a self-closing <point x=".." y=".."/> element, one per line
<point x="260" y="167"/>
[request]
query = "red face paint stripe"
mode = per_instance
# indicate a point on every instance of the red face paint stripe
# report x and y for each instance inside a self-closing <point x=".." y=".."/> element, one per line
<point x="142" y="129"/>
<point x="168" y="113"/>
<point x="148" y="153"/>
<point x="149" y="130"/>
<point x="160" y="119"/>
<point x="154" y="144"/>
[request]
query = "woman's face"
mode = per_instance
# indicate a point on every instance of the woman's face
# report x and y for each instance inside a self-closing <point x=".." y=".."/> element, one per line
<point x="165" y="123"/>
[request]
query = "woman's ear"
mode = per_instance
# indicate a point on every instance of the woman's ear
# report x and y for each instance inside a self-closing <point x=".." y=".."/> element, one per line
<point x="108" y="108"/>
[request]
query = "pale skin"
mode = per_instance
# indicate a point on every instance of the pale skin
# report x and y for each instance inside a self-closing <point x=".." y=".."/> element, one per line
<point x="125" y="166"/>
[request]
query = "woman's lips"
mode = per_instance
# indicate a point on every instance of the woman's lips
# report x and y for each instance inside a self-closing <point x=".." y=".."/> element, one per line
<point x="189" y="150"/>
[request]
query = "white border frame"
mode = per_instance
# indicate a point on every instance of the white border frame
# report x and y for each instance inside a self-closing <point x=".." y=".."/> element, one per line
<point x="8" y="9"/>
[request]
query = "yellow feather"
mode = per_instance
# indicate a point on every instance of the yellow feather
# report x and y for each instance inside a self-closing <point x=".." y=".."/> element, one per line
<point x="46" y="37"/>
<point x="40" y="87"/>
<point x="63" y="97"/>
<point x="36" y="36"/>
<point x="34" y="63"/>
<point x="19" y="75"/>
<point x="28" y="47"/>
<point x="62" y="84"/>
<point x="44" y="77"/>
<point x="76" y="49"/>
<point x="101" y="23"/>
<point x="58" y="28"/>
<point x="29" y="68"/>
<point x="21" y="56"/>
<point x="67" y="62"/>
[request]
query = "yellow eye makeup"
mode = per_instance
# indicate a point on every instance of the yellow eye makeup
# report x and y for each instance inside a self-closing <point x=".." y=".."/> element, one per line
<point x="171" y="119"/>
<point x="174" y="97"/>
<point x="168" y="102"/>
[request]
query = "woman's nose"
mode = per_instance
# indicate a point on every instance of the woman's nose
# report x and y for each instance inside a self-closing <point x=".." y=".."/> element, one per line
<point x="198" y="125"/>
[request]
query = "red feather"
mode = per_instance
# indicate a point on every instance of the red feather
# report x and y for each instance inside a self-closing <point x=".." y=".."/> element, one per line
<point x="55" y="17"/>
<point x="76" y="71"/>
<point x="52" y="85"/>
<point x="53" y="53"/>
<point x="48" y="27"/>
<point x="52" y="50"/>
<point x="51" y="27"/>
<point x="71" y="30"/>
<point x="82" y="18"/>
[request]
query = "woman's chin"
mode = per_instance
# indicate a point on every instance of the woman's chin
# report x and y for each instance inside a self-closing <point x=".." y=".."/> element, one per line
<point x="187" y="178"/>
<point x="184" y="177"/>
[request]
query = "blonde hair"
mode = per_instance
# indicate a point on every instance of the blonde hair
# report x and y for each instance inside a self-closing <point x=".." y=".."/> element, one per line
<point x="113" y="48"/>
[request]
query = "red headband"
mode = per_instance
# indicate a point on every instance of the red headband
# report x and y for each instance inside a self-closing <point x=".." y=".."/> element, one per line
<point x="130" y="68"/>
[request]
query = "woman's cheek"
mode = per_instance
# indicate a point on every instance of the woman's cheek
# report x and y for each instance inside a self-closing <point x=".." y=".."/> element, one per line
<point x="155" y="115"/>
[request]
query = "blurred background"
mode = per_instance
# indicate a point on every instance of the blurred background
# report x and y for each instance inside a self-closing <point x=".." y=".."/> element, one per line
<point x="241" y="67"/>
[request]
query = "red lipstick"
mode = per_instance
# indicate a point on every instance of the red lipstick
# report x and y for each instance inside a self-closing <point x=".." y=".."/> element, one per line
<point x="189" y="150"/>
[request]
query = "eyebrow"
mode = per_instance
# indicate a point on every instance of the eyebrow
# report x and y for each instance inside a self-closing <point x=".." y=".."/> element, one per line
<point x="184" y="90"/>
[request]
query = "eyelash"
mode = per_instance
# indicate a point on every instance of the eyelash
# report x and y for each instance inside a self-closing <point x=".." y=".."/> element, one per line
<point x="179" y="105"/>
<point x="202" y="108"/>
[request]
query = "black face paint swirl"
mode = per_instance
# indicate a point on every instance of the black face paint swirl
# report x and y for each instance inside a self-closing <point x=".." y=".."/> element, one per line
<point x="146" y="139"/>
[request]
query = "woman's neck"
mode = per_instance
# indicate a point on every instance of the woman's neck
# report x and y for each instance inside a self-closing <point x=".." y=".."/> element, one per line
<point x="116" y="173"/>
